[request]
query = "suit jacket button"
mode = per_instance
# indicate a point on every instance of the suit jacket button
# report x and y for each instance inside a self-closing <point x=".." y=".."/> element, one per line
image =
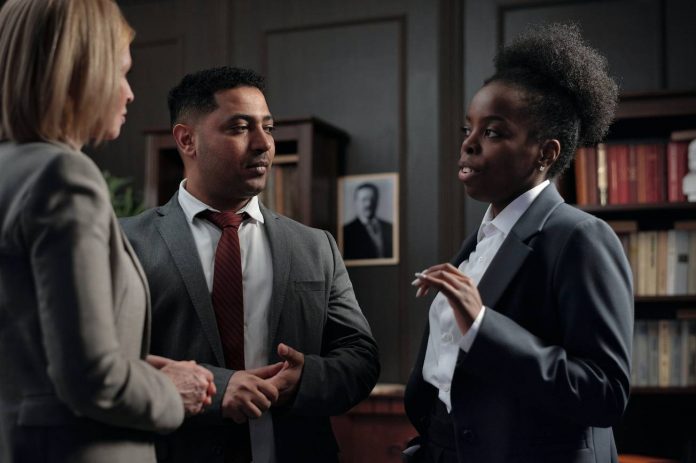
<point x="217" y="450"/>
<point x="467" y="436"/>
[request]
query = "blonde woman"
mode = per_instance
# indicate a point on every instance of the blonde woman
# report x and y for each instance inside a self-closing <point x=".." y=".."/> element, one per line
<point x="74" y="303"/>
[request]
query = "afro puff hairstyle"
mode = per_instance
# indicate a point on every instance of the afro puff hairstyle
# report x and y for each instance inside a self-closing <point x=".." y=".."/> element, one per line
<point x="570" y="94"/>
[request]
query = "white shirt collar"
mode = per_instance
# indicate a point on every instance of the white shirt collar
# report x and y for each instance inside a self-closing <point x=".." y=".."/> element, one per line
<point x="193" y="206"/>
<point x="508" y="217"/>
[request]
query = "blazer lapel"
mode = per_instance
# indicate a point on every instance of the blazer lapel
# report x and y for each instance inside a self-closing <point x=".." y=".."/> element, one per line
<point x="515" y="249"/>
<point x="175" y="232"/>
<point x="467" y="248"/>
<point x="280" y="255"/>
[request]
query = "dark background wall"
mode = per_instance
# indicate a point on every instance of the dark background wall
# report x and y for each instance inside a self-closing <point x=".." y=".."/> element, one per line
<point x="395" y="75"/>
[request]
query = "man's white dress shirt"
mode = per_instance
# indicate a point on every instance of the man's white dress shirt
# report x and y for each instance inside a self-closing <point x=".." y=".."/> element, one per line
<point x="257" y="281"/>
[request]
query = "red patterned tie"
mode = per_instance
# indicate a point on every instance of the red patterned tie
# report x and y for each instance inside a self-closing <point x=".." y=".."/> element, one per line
<point x="228" y="294"/>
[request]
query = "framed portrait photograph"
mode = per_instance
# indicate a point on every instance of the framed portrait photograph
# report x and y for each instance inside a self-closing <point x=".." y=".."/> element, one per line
<point x="368" y="219"/>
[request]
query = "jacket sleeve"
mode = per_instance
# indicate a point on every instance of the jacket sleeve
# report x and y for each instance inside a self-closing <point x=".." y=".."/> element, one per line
<point x="67" y="224"/>
<point x="348" y="367"/>
<point x="585" y="376"/>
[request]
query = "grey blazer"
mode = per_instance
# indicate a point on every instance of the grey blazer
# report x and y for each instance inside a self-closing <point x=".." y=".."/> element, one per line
<point x="74" y="319"/>
<point x="548" y="373"/>
<point x="313" y="309"/>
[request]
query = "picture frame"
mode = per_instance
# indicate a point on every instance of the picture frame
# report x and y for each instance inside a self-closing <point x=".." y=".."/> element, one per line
<point x="368" y="219"/>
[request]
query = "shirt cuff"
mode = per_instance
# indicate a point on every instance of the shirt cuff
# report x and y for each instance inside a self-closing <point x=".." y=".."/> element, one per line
<point x="468" y="339"/>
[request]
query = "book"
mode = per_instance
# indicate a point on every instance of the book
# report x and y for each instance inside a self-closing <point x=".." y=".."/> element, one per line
<point x="591" y="175"/>
<point x="677" y="351"/>
<point x="671" y="262"/>
<point x="639" y="370"/>
<point x="622" y="176"/>
<point x="649" y="264"/>
<point x="691" y="360"/>
<point x="641" y="175"/>
<point x="685" y="355"/>
<point x="653" y="180"/>
<point x="613" y="152"/>
<point x="632" y="175"/>
<point x="653" y="356"/>
<point x="681" y="264"/>
<point x="691" y="267"/>
<point x="665" y="331"/>
<point x="677" y="168"/>
<point x="602" y="183"/>
<point x="661" y="263"/>
<point x="581" y="197"/>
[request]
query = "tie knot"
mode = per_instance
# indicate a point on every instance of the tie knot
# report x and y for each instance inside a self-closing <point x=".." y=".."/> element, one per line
<point x="224" y="219"/>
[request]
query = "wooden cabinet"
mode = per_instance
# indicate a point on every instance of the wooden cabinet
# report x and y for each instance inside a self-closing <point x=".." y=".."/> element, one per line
<point x="309" y="158"/>
<point x="659" y="420"/>
<point x="376" y="430"/>
<point x="164" y="168"/>
<point x="301" y="184"/>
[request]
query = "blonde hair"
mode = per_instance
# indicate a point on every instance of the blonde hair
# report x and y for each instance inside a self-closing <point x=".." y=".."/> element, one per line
<point x="59" y="69"/>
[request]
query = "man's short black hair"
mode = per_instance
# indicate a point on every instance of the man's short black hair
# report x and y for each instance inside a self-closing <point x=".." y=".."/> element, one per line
<point x="195" y="93"/>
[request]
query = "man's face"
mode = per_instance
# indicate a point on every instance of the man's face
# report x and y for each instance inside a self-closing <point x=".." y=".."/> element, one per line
<point x="234" y="149"/>
<point x="365" y="203"/>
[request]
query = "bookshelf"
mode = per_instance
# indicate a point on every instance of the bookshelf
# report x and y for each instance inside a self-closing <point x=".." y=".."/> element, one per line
<point x="632" y="169"/>
<point x="302" y="182"/>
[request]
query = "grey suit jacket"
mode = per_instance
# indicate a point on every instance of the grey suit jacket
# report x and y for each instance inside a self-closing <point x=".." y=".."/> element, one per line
<point x="74" y="318"/>
<point x="313" y="309"/>
<point x="548" y="373"/>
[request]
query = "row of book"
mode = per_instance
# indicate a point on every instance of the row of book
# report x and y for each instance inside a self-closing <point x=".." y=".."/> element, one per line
<point x="281" y="193"/>
<point x="631" y="173"/>
<point x="663" y="262"/>
<point x="664" y="353"/>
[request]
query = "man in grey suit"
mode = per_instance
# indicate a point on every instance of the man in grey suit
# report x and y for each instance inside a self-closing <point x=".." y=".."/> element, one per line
<point x="308" y="350"/>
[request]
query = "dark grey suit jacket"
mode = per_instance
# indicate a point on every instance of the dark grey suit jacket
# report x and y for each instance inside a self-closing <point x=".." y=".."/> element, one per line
<point x="313" y="309"/>
<point x="548" y="373"/>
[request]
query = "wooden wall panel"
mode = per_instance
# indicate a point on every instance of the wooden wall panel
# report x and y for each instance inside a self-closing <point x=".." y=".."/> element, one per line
<point x="372" y="70"/>
<point x="680" y="44"/>
<point x="628" y="32"/>
<point x="350" y="72"/>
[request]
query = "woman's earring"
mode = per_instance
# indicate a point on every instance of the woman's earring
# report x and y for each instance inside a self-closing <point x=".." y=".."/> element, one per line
<point x="541" y="168"/>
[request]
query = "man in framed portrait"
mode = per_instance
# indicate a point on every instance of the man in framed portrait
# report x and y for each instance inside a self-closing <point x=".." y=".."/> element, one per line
<point x="367" y="236"/>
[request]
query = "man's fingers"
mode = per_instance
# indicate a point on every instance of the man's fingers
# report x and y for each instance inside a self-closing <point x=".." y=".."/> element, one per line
<point x="293" y="357"/>
<point x="267" y="371"/>
<point x="261" y="402"/>
<point x="251" y="410"/>
<point x="269" y="390"/>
